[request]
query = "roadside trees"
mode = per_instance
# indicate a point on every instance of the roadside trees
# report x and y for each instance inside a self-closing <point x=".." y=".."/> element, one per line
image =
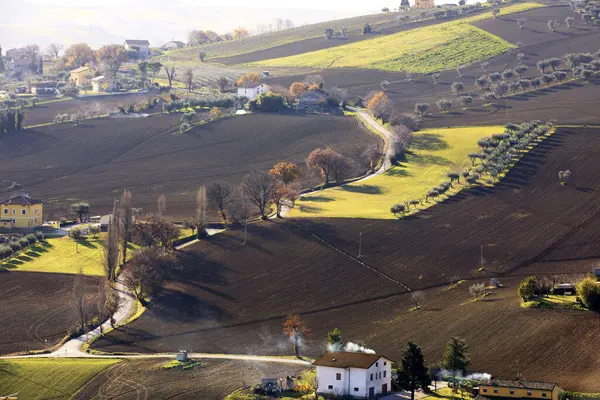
<point x="379" y="105"/>
<point x="413" y="374"/>
<point x="398" y="209"/>
<point x="156" y="231"/>
<point x="126" y="215"/>
<point x="146" y="272"/>
<point x="219" y="193"/>
<point x="283" y="195"/>
<point x="287" y="172"/>
<point x="258" y="187"/>
<point x="321" y="158"/>
<point x="527" y="288"/>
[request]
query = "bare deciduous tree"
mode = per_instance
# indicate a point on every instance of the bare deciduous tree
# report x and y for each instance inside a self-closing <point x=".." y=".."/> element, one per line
<point x="201" y="206"/>
<point x="126" y="216"/>
<point x="258" y="187"/>
<point x="417" y="297"/>
<point x="161" y="204"/>
<point x="147" y="271"/>
<point x="220" y="194"/>
<point x="171" y="74"/>
<point x="189" y="79"/>
<point x="283" y="196"/>
<point x="54" y="50"/>
<point x="111" y="248"/>
<point x="156" y="231"/>
<point x="79" y="299"/>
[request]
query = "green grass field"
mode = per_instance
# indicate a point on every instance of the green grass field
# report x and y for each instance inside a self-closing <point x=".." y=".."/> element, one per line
<point x="47" y="379"/>
<point x="422" y="50"/>
<point x="433" y="154"/>
<point x="62" y="255"/>
<point x="556" y="302"/>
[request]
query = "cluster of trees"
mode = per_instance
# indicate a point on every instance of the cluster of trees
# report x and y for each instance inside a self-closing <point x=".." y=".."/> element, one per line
<point x="11" y="121"/>
<point x="498" y="152"/>
<point x="331" y="33"/>
<point x="456" y="11"/>
<point x="587" y="288"/>
<point x="198" y="37"/>
<point x="15" y="244"/>
<point x="590" y="13"/>
<point x="216" y="100"/>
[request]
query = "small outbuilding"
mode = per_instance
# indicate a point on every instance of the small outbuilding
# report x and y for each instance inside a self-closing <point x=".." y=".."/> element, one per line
<point x="277" y="383"/>
<point x="564" y="289"/>
<point x="48" y="87"/>
<point x="141" y="47"/>
<point x="103" y="84"/>
<point x="173" y="44"/>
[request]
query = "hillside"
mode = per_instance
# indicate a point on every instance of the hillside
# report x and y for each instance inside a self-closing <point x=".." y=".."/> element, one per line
<point x="423" y="50"/>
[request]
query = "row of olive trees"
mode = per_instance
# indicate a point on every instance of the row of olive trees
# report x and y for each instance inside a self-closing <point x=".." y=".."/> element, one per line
<point x="14" y="244"/>
<point x="498" y="152"/>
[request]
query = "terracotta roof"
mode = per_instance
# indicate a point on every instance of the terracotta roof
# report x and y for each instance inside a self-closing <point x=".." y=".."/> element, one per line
<point x="343" y="359"/>
<point x="22" y="201"/>
<point x="252" y="85"/>
<point x="510" y="383"/>
<point x="81" y="69"/>
<point x="44" y="84"/>
<point x="138" y="42"/>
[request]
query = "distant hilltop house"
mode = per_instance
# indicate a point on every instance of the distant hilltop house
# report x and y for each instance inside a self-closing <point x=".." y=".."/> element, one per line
<point x="360" y="375"/>
<point x="141" y="47"/>
<point x="173" y="44"/>
<point x="503" y="389"/>
<point x="103" y="84"/>
<point x="82" y="76"/>
<point x="21" y="211"/>
<point x="18" y="59"/>
<point x="252" y="90"/>
<point x="424" y="4"/>
<point x="47" y="87"/>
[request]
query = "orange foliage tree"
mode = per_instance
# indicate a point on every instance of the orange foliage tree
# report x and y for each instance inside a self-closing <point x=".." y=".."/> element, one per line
<point x="239" y="33"/>
<point x="250" y="77"/>
<point x="286" y="171"/>
<point x="298" y="89"/>
<point x="79" y="55"/>
<point x="379" y="105"/>
<point x="295" y="329"/>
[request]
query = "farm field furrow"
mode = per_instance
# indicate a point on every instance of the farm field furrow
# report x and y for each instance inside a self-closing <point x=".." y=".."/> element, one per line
<point x="96" y="160"/>
<point x="50" y="314"/>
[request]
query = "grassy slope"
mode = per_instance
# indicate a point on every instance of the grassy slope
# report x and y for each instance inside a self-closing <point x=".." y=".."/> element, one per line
<point x="48" y="379"/>
<point x="434" y="153"/>
<point x="423" y="50"/>
<point x="60" y="256"/>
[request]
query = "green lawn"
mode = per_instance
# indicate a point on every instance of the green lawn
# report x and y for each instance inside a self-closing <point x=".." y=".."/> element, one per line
<point x="423" y="50"/>
<point x="62" y="255"/>
<point x="48" y="379"/>
<point x="434" y="153"/>
<point x="556" y="302"/>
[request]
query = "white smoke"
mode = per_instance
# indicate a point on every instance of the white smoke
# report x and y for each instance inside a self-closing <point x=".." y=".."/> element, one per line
<point x="479" y="376"/>
<point x="335" y="347"/>
<point x="476" y="376"/>
<point x="356" y="348"/>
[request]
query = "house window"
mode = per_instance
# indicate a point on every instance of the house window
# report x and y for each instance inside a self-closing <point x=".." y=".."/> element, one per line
<point x="377" y="364"/>
<point x="356" y="389"/>
<point x="512" y="391"/>
<point x="529" y="393"/>
<point x="330" y="387"/>
<point x="371" y="376"/>
<point x="6" y="211"/>
<point x="484" y="390"/>
<point x="384" y="373"/>
<point x="14" y="211"/>
<point x="24" y="212"/>
<point x="495" y="390"/>
<point x="543" y="394"/>
<point x="385" y="363"/>
<point x="338" y="377"/>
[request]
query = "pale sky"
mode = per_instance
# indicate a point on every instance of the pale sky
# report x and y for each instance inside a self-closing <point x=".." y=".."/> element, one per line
<point x="111" y="21"/>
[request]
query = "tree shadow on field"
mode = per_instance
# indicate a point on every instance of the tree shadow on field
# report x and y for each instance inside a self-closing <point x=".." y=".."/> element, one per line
<point x="318" y="199"/>
<point x="429" y="159"/>
<point x="364" y="189"/>
<point x="88" y="244"/>
<point x="399" y="170"/>
<point x="183" y="307"/>
<point x="308" y="209"/>
<point x="429" y="141"/>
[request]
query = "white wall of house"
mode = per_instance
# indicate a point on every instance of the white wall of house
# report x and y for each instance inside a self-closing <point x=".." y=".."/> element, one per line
<point x="252" y="93"/>
<point x="355" y="381"/>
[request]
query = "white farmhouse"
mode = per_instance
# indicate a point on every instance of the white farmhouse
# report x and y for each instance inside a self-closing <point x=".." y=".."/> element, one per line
<point x="252" y="90"/>
<point x="141" y="47"/>
<point x="360" y="375"/>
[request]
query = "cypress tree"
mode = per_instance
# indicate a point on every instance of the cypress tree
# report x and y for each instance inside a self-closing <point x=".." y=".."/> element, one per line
<point x="413" y="374"/>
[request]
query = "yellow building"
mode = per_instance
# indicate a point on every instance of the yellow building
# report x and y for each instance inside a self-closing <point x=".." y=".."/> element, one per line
<point x="21" y="212"/>
<point x="424" y="4"/>
<point x="502" y="389"/>
<point x="82" y="76"/>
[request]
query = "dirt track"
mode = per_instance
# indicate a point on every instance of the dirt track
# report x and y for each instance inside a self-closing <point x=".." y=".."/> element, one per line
<point x="213" y="380"/>
<point x="240" y="294"/>
<point x="29" y="327"/>
<point x="96" y="160"/>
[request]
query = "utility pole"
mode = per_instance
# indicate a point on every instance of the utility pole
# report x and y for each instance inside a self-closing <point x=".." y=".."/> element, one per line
<point x="245" y="230"/>
<point x="359" y="244"/>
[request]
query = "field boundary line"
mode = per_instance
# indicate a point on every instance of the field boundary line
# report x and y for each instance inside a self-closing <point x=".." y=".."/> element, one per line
<point x="389" y="278"/>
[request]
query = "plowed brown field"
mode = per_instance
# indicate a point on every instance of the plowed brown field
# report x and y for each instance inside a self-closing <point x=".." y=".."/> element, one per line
<point x="36" y="309"/>
<point x="96" y="160"/>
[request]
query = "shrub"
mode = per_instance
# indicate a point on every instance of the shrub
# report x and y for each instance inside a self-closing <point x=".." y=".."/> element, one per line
<point x="421" y="108"/>
<point x="398" y="209"/>
<point x="31" y="238"/>
<point x="444" y="105"/>
<point x="24" y="242"/>
<point x="588" y="291"/>
<point x="5" y="251"/>
<point x="76" y="233"/>
<point x="14" y="245"/>
<point x="477" y="290"/>
<point x="268" y="102"/>
<point x="39" y="235"/>
<point x="527" y="288"/>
